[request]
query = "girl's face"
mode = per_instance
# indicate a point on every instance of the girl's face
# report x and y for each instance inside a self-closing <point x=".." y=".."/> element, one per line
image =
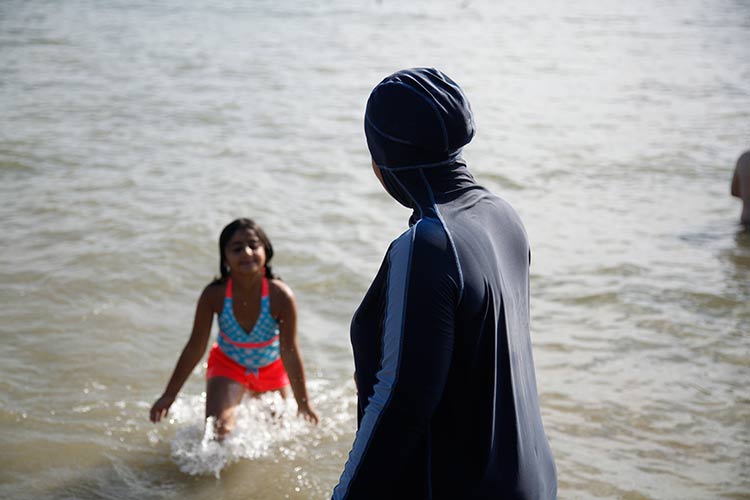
<point x="244" y="253"/>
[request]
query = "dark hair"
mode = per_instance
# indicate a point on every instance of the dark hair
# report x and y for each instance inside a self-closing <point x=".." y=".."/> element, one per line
<point x="226" y="235"/>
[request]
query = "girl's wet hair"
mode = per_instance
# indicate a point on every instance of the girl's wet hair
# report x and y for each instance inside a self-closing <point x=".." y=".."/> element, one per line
<point x="226" y="235"/>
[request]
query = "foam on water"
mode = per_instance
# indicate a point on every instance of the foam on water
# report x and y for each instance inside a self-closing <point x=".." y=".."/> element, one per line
<point x="262" y="423"/>
<point x="267" y="427"/>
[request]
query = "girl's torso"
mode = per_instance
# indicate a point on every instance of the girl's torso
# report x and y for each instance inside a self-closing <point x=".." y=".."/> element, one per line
<point x="254" y="348"/>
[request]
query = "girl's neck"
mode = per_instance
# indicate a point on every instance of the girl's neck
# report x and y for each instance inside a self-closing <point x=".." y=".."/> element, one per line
<point x="247" y="282"/>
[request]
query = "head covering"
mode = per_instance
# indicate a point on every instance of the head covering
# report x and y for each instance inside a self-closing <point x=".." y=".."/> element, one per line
<point x="417" y="117"/>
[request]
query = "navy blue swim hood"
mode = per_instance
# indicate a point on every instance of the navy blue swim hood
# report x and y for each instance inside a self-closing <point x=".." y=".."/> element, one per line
<point x="417" y="121"/>
<point x="417" y="117"/>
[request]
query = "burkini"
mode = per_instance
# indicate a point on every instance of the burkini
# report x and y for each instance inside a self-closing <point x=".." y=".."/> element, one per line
<point x="447" y="404"/>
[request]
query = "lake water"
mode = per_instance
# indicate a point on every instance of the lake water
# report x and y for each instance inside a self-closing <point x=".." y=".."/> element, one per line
<point x="131" y="132"/>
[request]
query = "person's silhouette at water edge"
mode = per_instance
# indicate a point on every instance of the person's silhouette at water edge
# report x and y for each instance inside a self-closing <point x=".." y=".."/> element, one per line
<point x="741" y="186"/>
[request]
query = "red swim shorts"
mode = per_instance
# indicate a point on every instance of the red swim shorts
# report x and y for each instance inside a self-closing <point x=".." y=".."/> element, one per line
<point x="269" y="378"/>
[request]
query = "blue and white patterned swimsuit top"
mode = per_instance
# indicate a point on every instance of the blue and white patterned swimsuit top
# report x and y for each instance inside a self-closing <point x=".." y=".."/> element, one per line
<point x="254" y="349"/>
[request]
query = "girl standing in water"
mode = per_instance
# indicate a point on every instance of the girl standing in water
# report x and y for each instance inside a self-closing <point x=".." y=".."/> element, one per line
<point x="256" y="349"/>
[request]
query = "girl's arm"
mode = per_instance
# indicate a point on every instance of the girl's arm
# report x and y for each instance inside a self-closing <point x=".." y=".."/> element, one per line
<point x="290" y="354"/>
<point x="191" y="354"/>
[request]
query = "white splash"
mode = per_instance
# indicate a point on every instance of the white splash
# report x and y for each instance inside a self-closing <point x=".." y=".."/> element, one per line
<point x="265" y="426"/>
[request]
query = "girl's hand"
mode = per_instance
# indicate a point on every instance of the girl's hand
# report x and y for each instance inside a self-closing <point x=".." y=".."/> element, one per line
<point x="308" y="412"/>
<point x="161" y="408"/>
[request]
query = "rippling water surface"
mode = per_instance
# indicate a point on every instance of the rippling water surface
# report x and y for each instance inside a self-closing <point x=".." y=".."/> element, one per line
<point x="132" y="132"/>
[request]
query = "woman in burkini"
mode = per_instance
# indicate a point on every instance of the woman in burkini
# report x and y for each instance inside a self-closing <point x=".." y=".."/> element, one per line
<point x="447" y="399"/>
<point x="256" y="349"/>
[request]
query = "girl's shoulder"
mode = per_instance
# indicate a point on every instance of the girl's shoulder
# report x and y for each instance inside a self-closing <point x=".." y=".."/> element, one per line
<point x="281" y="294"/>
<point x="280" y="289"/>
<point x="213" y="294"/>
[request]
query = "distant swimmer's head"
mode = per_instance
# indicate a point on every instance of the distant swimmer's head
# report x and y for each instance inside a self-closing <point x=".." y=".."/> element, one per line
<point x="248" y="231"/>
<point x="417" y="117"/>
<point x="743" y="161"/>
<point x="741" y="186"/>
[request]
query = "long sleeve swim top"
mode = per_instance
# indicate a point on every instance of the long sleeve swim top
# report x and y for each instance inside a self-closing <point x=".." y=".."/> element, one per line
<point x="447" y="396"/>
